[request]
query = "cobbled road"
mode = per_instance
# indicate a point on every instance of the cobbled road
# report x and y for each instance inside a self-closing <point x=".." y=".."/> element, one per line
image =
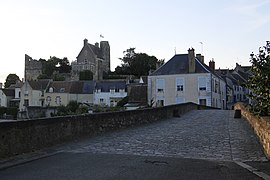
<point x="199" y="134"/>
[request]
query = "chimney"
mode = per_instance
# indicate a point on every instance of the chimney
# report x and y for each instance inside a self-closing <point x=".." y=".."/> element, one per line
<point x="212" y="64"/>
<point x="200" y="57"/>
<point x="97" y="44"/>
<point x="85" y="42"/>
<point x="191" y="60"/>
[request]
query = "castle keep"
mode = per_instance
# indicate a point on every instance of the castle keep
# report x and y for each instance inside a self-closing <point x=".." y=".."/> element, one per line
<point x="95" y="58"/>
<point x="32" y="68"/>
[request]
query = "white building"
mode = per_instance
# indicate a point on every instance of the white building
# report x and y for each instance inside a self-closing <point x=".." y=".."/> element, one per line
<point x="109" y="93"/>
<point x="185" y="78"/>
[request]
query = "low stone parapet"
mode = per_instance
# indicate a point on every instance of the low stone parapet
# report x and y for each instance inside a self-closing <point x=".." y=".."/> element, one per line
<point x="261" y="126"/>
<point x="22" y="136"/>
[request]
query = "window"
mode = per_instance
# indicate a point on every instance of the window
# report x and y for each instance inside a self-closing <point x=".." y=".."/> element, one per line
<point x="62" y="90"/>
<point x="202" y="102"/>
<point x="202" y="83"/>
<point x="58" y="100"/>
<point x="98" y="90"/>
<point x="112" y="91"/>
<point x="48" y="99"/>
<point x="50" y="90"/>
<point x="26" y="102"/>
<point x="101" y="100"/>
<point x="160" y="103"/>
<point x="160" y="83"/>
<point x="179" y="84"/>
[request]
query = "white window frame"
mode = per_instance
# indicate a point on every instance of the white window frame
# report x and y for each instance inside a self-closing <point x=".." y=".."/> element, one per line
<point x="160" y="85"/>
<point x="179" y="83"/>
<point x="202" y="83"/>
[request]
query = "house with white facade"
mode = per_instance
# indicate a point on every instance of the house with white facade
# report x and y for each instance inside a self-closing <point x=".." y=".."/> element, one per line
<point x="6" y="95"/>
<point x="185" y="78"/>
<point x="109" y="93"/>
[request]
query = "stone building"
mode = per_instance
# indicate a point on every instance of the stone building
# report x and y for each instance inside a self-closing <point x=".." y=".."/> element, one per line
<point x="95" y="58"/>
<point x="32" y="68"/>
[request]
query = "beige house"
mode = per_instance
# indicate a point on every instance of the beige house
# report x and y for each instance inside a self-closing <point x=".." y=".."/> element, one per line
<point x="32" y="94"/>
<point x="185" y="78"/>
<point x="62" y="92"/>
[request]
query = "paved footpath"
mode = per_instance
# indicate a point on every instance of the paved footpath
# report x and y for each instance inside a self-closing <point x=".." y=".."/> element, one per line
<point x="202" y="144"/>
<point x="198" y="134"/>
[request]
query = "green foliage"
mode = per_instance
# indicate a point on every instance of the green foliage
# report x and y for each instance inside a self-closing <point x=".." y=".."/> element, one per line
<point x="86" y="75"/>
<point x="11" y="111"/>
<point x="259" y="82"/>
<point x="72" y="106"/>
<point x="53" y="65"/>
<point x="138" y="64"/>
<point x="104" y="108"/>
<point x="58" y="77"/>
<point x="62" y="111"/>
<point x="122" y="102"/>
<point x="82" y="110"/>
<point x="11" y="79"/>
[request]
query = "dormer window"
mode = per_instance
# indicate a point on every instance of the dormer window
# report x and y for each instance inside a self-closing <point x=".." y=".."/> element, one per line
<point x="112" y="91"/>
<point x="62" y="90"/>
<point x="50" y="90"/>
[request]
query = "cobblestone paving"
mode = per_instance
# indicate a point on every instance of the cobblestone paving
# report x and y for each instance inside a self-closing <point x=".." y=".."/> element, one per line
<point x="201" y="134"/>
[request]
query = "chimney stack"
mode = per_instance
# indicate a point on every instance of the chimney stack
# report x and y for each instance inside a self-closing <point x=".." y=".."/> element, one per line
<point x="191" y="60"/>
<point x="85" y="42"/>
<point x="97" y="44"/>
<point x="212" y="64"/>
<point x="200" y="57"/>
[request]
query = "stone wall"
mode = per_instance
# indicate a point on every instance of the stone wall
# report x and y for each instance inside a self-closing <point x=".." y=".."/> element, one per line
<point x="22" y="136"/>
<point x="261" y="126"/>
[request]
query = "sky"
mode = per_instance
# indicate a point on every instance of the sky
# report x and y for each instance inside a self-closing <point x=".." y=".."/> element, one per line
<point x="225" y="30"/>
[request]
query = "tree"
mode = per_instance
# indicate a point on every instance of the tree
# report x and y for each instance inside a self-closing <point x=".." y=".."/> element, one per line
<point x="138" y="64"/>
<point x="52" y="65"/>
<point x="86" y="75"/>
<point x="11" y="79"/>
<point x="259" y="82"/>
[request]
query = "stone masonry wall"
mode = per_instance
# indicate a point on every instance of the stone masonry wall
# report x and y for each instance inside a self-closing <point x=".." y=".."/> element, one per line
<point x="260" y="125"/>
<point x="22" y="136"/>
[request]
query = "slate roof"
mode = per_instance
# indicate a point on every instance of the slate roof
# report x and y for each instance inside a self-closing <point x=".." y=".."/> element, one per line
<point x="9" y="92"/>
<point x="39" y="85"/>
<point x="179" y="65"/>
<point x="96" y="50"/>
<point x="105" y="86"/>
<point x="72" y="87"/>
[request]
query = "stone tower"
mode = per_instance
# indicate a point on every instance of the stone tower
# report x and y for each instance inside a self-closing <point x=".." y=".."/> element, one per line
<point x="32" y="68"/>
<point x="105" y="51"/>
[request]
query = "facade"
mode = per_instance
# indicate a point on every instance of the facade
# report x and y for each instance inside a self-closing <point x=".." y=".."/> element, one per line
<point x="109" y="93"/>
<point x="185" y="78"/>
<point x="95" y="58"/>
<point x="235" y="80"/>
<point x="6" y="95"/>
<point x="62" y="92"/>
<point x="32" y="94"/>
